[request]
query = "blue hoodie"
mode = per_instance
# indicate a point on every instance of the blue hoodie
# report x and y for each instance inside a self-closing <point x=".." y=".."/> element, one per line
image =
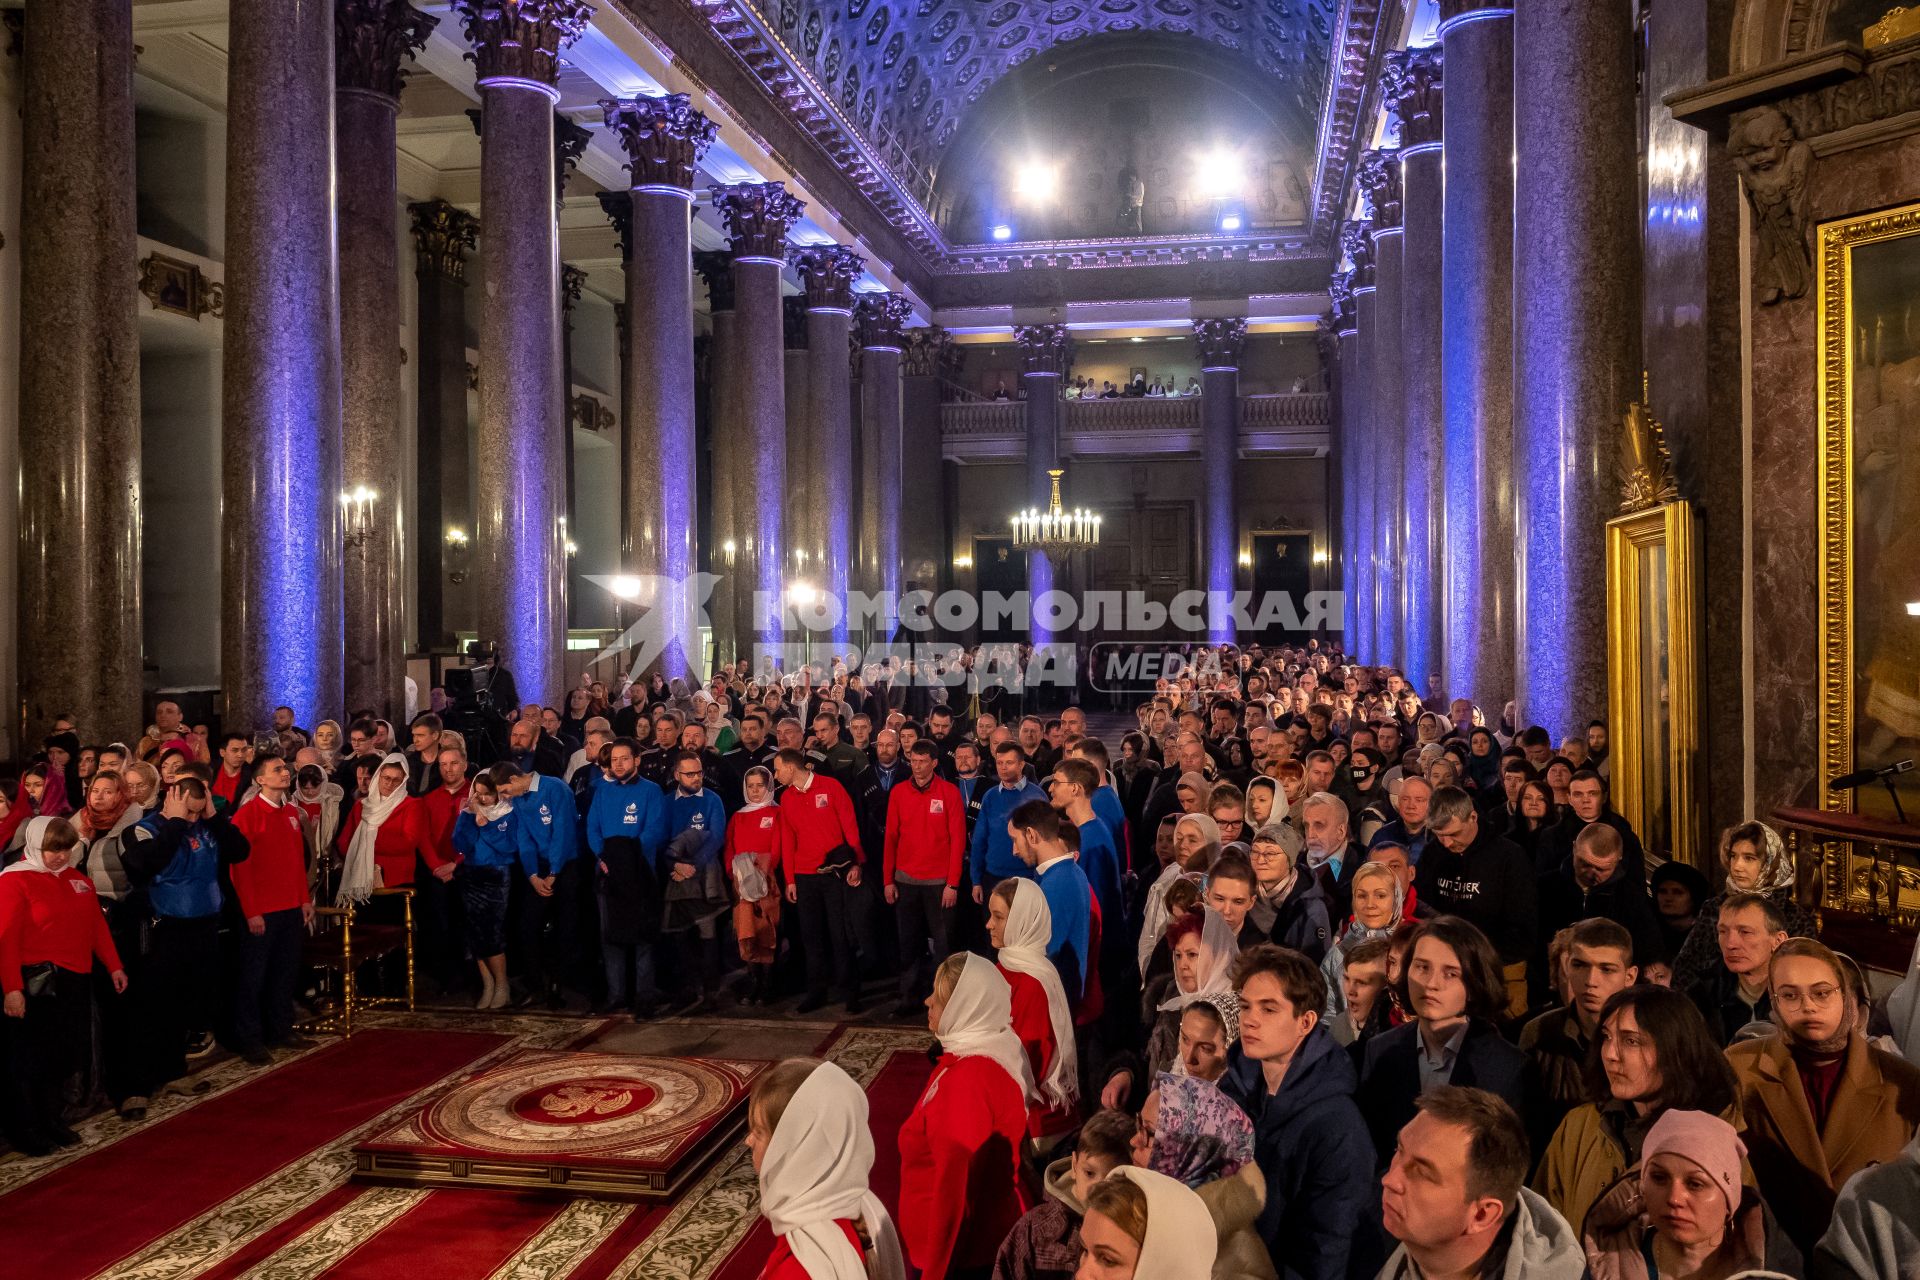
<point x="992" y="853"/>
<point x="1312" y="1144"/>
<point x="549" y="826"/>
<point x="497" y="844"/>
<point x="701" y="811"/>
<point x="635" y="809"/>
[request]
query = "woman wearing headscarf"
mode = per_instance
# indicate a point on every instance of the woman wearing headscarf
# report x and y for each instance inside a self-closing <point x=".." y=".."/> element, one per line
<point x="1679" y="891"/>
<point x="1377" y="902"/>
<point x="1685" y="1212"/>
<point x="63" y="766"/>
<point x="1196" y="843"/>
<point x="28" y="799"/>
<point x="960" y="1148"/>
<point x="807" y="1132"/>
<point x="1483" y="761"/>
<point x="1264" y="803"/>
<point x="51" y="932"/>
<point x="1196" y="1135"/>
<point x="1203" y="951"/>
<point x="1019" y="922"/>
<point x="1757" y="861"/>
<point x="326" y="740"/>
<point x="1142" y="1225"/>
<point x="752" y="859"/>
<point x="382" y="836"/>
<point x="487" y="836"/>
<point x="102" y="824"/>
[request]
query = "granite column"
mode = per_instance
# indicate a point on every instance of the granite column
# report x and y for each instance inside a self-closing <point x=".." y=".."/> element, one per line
<point x="664" y="139"/>
<point x="1346" y="339"/>
<point x="1414" y="97"/>
<point x="1576" y="283"/>
<point x="371" y="39"/>
<point x="1046" y="352"/>
<point x="880" y="317"/>
<point x="757" y="217"/>
<point x="1220" y="343"/>
<point x="519" y="537"/>
<point x="1379" y="178"/>
<point x="828" y="519"/>
<point x="1368" y="509"/>
<point x="1476" y="352"/>
<point x="727" y="604"/>
<point x="79" y="622"/>
<point x="924" y="546"/>
<point x="12" y="87"/>
<point x="281" y="623"/>
<point x="443" y="235"/>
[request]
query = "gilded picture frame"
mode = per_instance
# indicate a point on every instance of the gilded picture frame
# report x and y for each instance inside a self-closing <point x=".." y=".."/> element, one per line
<point x="1653" y="683"/>
<point x="1869" y="538"/>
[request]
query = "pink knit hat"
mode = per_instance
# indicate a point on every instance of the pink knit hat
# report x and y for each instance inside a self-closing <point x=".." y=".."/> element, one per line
<point x="1708" y="1141"/>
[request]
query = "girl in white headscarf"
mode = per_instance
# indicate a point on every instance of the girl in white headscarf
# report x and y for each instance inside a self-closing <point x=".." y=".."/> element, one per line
<point x="1019" y="922"/>
<point x="1196" y="843"/>
<point x="960" y="1190"/>
<point x="1142" y="1225"/>
<point x="807" y="1130"/>
<point x="382" y="835"/>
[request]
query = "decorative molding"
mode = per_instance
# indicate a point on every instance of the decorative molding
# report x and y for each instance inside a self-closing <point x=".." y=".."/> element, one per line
<point x="715" y="268"/>
<point x="473" y="376"/>
<point x="592" y="414"/>
<point x="1044" y="348"/>
<point x="1340" y="290"/>
<point x="1775" y="166"/>
<point x="569" y="144"/>
<point x="1221" y="341"/>
<point x="573" y="282"/>
<point x="443" y="235"/>
<point x="1646" y="467"/>
<point x="757" y="216"/>
<point x="793" y="321"/>
<point x="664" y="137"/>
<point x="1356" y="242"/>
<point x="828" y="273"/>
<point x="521" y="39"/>
<point x="181" y="288"/>
<point x="1378" y="177"/>
<point x="618" y="206"/>
<point x="1412" y="83"/>
<point x="1366" y="32"/>
<point x="879" y="317"/>
<point x="371" y="38"/>
<point x="1900" y="23"/>
<point x="927" y="353"/>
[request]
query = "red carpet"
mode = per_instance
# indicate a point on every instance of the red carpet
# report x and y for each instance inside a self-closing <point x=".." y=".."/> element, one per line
<point x="165" y="1176"/>
<point x="890" y="1099"/>
<point x="450" y="1235"/>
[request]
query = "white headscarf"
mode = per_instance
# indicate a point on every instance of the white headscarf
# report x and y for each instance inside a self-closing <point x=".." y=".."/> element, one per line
<point x="1182" y="1240"/>
<point x="1029" y="926"/>
<point x="1903" y="1006"/>
<point x="360" y="876"/>
<point x="34" y="855"/>
<point x="978" y="1022"/>
<point x="815" y="1173"/>
<point x="1218" y="950"/>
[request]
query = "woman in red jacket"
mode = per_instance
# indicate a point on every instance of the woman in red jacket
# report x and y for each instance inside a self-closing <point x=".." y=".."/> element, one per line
<point x="754" y="834"/>
<point x="384" y="833"/>
<point x="960" y="1149"/>
<point x="807" y="1130"/>
<point x="1019" y="923"/>
<point x="51" y="931"/>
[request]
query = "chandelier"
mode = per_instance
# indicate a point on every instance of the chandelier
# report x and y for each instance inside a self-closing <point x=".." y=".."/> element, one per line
<point x="1055" y="531"/>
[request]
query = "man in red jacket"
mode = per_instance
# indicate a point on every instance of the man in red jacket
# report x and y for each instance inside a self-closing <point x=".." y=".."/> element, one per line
<point x="925" y="826"/>
<point x="820" y="849"/>
<point x="274" y="897"/>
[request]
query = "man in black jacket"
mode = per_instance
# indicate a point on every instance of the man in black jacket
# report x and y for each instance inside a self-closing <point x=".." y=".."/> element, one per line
<point x="1469" y="872"/>
<point x="1587" y="804"/>
<point x="1594" y="881"/>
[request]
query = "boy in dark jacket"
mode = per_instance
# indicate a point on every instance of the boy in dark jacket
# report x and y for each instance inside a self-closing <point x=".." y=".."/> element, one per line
<point x="1309" y="1138"/>
<point x="1045" y="1243"/>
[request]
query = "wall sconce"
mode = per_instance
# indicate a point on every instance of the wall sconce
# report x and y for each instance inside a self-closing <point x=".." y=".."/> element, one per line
<point x="1320" y="557"/>
<point x="728" y="548"/>
<point x="456" y="554"/>
<point x="356" y="510"/>
<point x="963" y="562"/>
<point x="1246" y="559"/>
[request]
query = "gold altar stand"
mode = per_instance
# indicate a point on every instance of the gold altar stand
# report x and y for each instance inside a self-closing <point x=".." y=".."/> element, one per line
<point x="342" y="942"/>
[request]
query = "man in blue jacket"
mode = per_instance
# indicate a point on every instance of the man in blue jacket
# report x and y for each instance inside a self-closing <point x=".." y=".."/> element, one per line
<point x="626" y="832"/>
<point x="693" y="884"/>
<point x="1039" y="841"/>
<point x="991" y="858"/>
<point x="1297" y="1085"/>
<point x="550" y="881"/>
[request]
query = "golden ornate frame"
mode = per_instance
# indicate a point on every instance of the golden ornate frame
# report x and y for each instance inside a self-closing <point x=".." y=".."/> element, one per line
<point x="1673" y="526"/>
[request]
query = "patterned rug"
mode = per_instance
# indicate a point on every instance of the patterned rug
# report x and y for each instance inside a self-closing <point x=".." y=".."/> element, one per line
<point x="252" y="1179"/>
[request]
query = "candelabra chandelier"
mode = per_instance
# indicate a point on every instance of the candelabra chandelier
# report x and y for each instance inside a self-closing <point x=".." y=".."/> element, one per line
<point x="1055" y="531"/>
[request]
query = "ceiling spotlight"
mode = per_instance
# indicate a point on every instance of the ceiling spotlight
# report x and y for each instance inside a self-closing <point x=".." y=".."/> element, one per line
<point x="1001" y="231"/>
<point x="627" y="588"/>
<point x="1230" y="222"/>
<point x="1036" y="181"/>
<point x="1220" y="172"/>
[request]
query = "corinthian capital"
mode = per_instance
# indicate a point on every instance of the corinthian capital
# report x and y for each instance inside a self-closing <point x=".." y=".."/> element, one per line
<point x="443" y="234"/>
<point x="715" y="269"/>
<point x="1379" y="178"/>
<point x="663" y="137"/>
<point x="927" y="352"/>
<point x="1356" y="243"/>
<point x="757" y="217"/>
<point x="521" y="39"/>
<point x="879" y="317"/>
<point x="371" y="38"/>
<point x="569" y="144"/>
<point x="829" y="273"/>
<point x="1340" y="291"/>
<point x="1220" y="341"/>
<point x="1411" y="85"/>
<point x="618" y="206"/>
<point x="1044" y="348"/>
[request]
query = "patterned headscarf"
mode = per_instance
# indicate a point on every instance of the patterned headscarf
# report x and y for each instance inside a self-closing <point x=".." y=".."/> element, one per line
<point x="1202" y="1135"/>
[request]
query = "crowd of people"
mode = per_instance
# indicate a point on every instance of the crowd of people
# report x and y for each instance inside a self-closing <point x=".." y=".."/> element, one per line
<point x="1301" y="977"/>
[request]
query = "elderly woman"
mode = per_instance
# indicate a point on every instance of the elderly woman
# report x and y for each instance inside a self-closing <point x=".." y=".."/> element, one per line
<point x="51" y="932"/>
<point x="1757" y="861"/>
<point x="1377" y="900"/>
<point x="1203" y="951"/>
<point x="384" y="834"/>
<point x="1196" y="843"/>
<point x="1291" y="909"/>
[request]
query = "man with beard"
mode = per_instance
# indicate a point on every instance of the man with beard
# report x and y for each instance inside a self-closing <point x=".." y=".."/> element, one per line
<point x="626" y="830"/>
<point x="751" y="751"/>
<point x="1820" y="1103"/>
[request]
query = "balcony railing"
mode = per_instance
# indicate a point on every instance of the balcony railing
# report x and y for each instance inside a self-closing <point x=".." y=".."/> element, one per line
<point x="986" y="429"/>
